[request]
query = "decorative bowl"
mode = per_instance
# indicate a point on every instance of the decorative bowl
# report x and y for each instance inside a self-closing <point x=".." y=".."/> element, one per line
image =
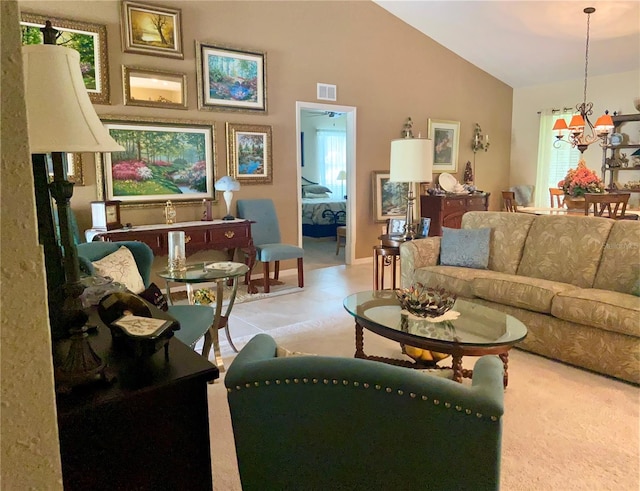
<point x="425" y="301"/>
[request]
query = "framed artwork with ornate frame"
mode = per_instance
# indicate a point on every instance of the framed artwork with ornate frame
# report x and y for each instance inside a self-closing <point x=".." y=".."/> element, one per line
<point x="249" y="158"/>
<point x="151" y="30"/>
<point x="90" y="40"/>
<point x="446" y="137"/>
<point x="75" y="172"/>
<point x="154" y="88"/>
<point x="163" y="160"/>
<point x="390" y="198"/>
<point x="231" y="79"/>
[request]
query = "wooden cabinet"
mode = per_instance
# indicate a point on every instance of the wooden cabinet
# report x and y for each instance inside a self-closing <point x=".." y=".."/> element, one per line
<point x="612" y="156"/>
<point x="447" y="211"/>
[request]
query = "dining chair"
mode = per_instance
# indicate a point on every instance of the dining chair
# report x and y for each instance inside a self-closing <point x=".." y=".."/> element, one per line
<point x="265" y="232"/>
<point x="610" y="205"/>
<point x="556" y="195"/>
<point x="509" y="201"/>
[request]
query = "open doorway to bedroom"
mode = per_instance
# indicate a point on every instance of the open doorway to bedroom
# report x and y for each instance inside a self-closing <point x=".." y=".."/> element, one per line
<point x="326" y="162"/>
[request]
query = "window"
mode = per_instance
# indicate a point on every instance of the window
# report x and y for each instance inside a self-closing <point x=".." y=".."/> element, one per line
<point x="332" y="158"/>
<point x="553" y="163"/>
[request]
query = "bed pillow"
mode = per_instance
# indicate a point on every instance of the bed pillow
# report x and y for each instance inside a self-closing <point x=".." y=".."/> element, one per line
<point x="315" y="189"/>
<point x="316" y="196"/>
<point x="120" y="266"/>
<point x="466" y="248"/>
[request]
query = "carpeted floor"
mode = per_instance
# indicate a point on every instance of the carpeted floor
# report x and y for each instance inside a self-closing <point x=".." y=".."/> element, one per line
<point x="564" y="428"/>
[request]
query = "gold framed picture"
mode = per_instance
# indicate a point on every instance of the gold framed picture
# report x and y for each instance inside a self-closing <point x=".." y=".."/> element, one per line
<point x="154" y="88"/>
<point x="249" y="153"/>
<point x="151" y="30"/>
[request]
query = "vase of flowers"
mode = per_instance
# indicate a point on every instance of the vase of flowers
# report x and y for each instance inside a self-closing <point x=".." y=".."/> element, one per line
<point x="577" y="182"/>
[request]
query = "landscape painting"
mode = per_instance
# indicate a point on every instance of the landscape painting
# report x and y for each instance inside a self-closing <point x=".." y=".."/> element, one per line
<point x="249" y="153"/>
<point x="151" y="30"/>
<point x="230" y="79"/>
<point x="161" y="161"/>
<point x="389" y="198"/>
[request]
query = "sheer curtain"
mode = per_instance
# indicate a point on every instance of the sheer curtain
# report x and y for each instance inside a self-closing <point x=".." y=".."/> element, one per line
<point x="332" y="158"/>
<point x="553" y="163"/>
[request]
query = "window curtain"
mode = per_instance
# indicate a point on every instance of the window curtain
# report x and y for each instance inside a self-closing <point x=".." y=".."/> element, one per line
<point x="332" y="158"/>
<point x="553" y="163"/>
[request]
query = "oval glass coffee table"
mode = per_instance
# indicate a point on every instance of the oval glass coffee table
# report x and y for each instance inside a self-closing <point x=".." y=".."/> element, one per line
<point x="478" y="331"/>
<point x="219" y="273"/>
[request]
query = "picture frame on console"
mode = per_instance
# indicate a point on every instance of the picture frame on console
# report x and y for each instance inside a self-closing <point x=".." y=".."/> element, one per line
<point x="89" y="39"/>
<point x="249" y="158"/>
<point x="151" y="30"/>
<point x="390" y="198"/>
<point x="446" y="138"/>
<point x="231" y="79"/>
<point x="163" y="160"/>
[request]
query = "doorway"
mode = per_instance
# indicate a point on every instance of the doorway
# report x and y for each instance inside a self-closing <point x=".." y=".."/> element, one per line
<point x="344" y="119"/>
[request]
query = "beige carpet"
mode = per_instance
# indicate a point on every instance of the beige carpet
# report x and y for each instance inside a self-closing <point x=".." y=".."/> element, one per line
<point x="564" y="428"/>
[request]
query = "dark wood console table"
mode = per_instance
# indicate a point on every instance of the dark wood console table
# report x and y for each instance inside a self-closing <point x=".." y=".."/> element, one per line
<point x="447" y="210"/>
<point x="147" y="430"/>
<point x="221" y="235"/>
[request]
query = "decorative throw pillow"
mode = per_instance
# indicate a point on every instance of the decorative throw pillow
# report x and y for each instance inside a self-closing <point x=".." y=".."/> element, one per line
<point x="467" y="248"/>
<point x="120" y="266"/>
<point x="315" y="189"/>
<point x="153" y="295"/>
<point x="636" y="288"/>
<point x="316" y="196"/>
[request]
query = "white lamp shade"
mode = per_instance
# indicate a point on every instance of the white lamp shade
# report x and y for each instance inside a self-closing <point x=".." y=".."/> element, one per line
<point x="227" y="183"/>
<point x="411" y="160"/>
<point x="60" y="115"/>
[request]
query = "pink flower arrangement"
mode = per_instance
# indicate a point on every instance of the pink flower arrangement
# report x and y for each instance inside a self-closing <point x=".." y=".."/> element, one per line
<point x="581" y="180"/>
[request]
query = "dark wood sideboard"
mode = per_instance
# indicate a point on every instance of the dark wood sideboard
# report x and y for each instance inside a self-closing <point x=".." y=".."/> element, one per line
<point x="147" y="430"/>
<point x="447" y="210"/>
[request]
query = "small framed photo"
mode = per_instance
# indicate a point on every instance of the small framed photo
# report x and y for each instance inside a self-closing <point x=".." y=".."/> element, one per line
<point x="425" y="223"/>
<point x="249" y="153"/>
<point x="396" y="226"/>
<point x="231" y="79"/>
<point x="390" y="198"/>
<point x="445" y="136"/>
<point x="151" y="30"/>
<point x="90" y="40"/>
<point x="162" y="160"/>
<point x="154" y="88"/>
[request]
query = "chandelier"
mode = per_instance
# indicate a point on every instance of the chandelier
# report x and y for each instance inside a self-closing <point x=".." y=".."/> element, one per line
<point x="578" y="137"/>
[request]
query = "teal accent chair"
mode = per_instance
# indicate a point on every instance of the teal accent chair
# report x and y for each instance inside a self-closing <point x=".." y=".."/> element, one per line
<point x="265" y="232"/>
<point x="195" y="320"/>
<point x="327" y="423"/>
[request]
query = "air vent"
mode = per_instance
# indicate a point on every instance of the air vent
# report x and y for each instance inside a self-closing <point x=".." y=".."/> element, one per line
<point x="327" y="92"/>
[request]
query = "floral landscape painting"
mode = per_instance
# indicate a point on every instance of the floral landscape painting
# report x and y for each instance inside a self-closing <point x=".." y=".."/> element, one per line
<point x="249" y="152"/>
<point x="159" y="163"/>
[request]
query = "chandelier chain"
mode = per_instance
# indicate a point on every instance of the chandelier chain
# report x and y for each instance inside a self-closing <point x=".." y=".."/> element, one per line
<point x="586" y="58"/>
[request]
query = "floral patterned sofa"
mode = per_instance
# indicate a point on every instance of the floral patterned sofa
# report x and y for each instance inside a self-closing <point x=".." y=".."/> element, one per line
<point x="572" y="280"/>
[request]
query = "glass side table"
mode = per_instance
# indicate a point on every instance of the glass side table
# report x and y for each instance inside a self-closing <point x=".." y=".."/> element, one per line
<point x="219" y="273"/>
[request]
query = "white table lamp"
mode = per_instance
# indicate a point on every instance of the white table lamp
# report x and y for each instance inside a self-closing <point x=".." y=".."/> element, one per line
<point x="228" y="184"/>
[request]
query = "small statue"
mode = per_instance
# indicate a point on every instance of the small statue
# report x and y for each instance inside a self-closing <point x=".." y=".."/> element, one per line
<point x="169" y="213"/>
<point x="407" y="129"/>
<point x="468" y="173"/>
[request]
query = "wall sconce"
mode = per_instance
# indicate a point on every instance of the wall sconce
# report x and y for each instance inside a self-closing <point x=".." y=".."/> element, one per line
<point x="479" y="142"/>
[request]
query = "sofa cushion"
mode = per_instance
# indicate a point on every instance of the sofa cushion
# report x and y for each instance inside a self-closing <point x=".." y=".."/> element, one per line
<point x="467" y="248"/>
<point x="620" y="265"/>
<point x="566" y="249"/>
<point x="519" y="291"/>
<point x="452" y="278"/>
<point x="508" y="234"/>
<point x="611" y="311"/>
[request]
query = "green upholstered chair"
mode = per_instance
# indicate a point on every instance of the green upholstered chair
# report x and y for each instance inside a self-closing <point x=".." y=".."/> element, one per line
<point x="326" y="423"/>
<point x="195" y="320"/>
<point x="265" y="232"/>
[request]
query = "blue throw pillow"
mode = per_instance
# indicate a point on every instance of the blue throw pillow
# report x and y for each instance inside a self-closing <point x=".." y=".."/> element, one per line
<point x="467" y="248"/>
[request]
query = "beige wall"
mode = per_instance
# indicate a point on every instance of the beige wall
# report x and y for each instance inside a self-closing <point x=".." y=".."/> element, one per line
<point x="382" y="66"/>
<point x="30" y="454"/>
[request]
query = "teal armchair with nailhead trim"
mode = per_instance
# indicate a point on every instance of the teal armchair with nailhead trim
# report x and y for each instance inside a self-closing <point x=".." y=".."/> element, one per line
<point x="320" y="423"/>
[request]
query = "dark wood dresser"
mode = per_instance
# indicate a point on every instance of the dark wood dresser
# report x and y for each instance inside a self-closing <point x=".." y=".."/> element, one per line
<point x="447" y="211"/>
<point x="147" y="430"/>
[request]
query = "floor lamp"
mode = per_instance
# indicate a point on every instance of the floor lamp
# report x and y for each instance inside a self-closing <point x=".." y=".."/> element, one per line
<point x="61" y="119"/>
<point x="411" y="162"/>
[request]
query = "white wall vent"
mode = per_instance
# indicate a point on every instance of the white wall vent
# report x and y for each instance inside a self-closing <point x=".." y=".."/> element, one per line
<point x="327" y="92"/>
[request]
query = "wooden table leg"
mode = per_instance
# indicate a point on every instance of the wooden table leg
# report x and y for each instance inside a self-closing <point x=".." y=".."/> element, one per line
<point x="456" y="365"/>
<point x="505" y="362"/>
<point x="359" y="342"/>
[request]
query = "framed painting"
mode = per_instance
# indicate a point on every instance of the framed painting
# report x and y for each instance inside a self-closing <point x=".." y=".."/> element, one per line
<point x="231" y="79"/>
<point x="74" y="163"/>
<point x="249" y="153"/>
<point x="151" y="30"/>
<point x="90" y="40"/>
<point x="154" y="88"/>
<point x="445" y="136"/>
<point x="390" y="198"/>
<point x="163" y="160"/>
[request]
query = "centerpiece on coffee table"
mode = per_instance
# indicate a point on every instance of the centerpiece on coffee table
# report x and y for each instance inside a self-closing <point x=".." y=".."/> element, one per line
<point x="423" y="301"/>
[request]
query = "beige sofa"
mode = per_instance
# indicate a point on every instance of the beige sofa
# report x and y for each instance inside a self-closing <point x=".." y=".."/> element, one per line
<point x="568" y="278"/>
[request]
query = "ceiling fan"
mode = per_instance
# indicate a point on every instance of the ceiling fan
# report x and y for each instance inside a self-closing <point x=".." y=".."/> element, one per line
<point x="329" y="114"/>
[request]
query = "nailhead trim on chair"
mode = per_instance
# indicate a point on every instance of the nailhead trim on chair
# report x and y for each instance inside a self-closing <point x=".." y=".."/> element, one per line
<point x="365" y="385"/>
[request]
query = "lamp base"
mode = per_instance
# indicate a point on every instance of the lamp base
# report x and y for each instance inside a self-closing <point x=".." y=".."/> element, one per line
<point x="228" y="217"/>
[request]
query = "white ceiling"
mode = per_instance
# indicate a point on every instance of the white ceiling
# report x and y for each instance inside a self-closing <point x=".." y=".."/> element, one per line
<point x="529" y="43"/>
